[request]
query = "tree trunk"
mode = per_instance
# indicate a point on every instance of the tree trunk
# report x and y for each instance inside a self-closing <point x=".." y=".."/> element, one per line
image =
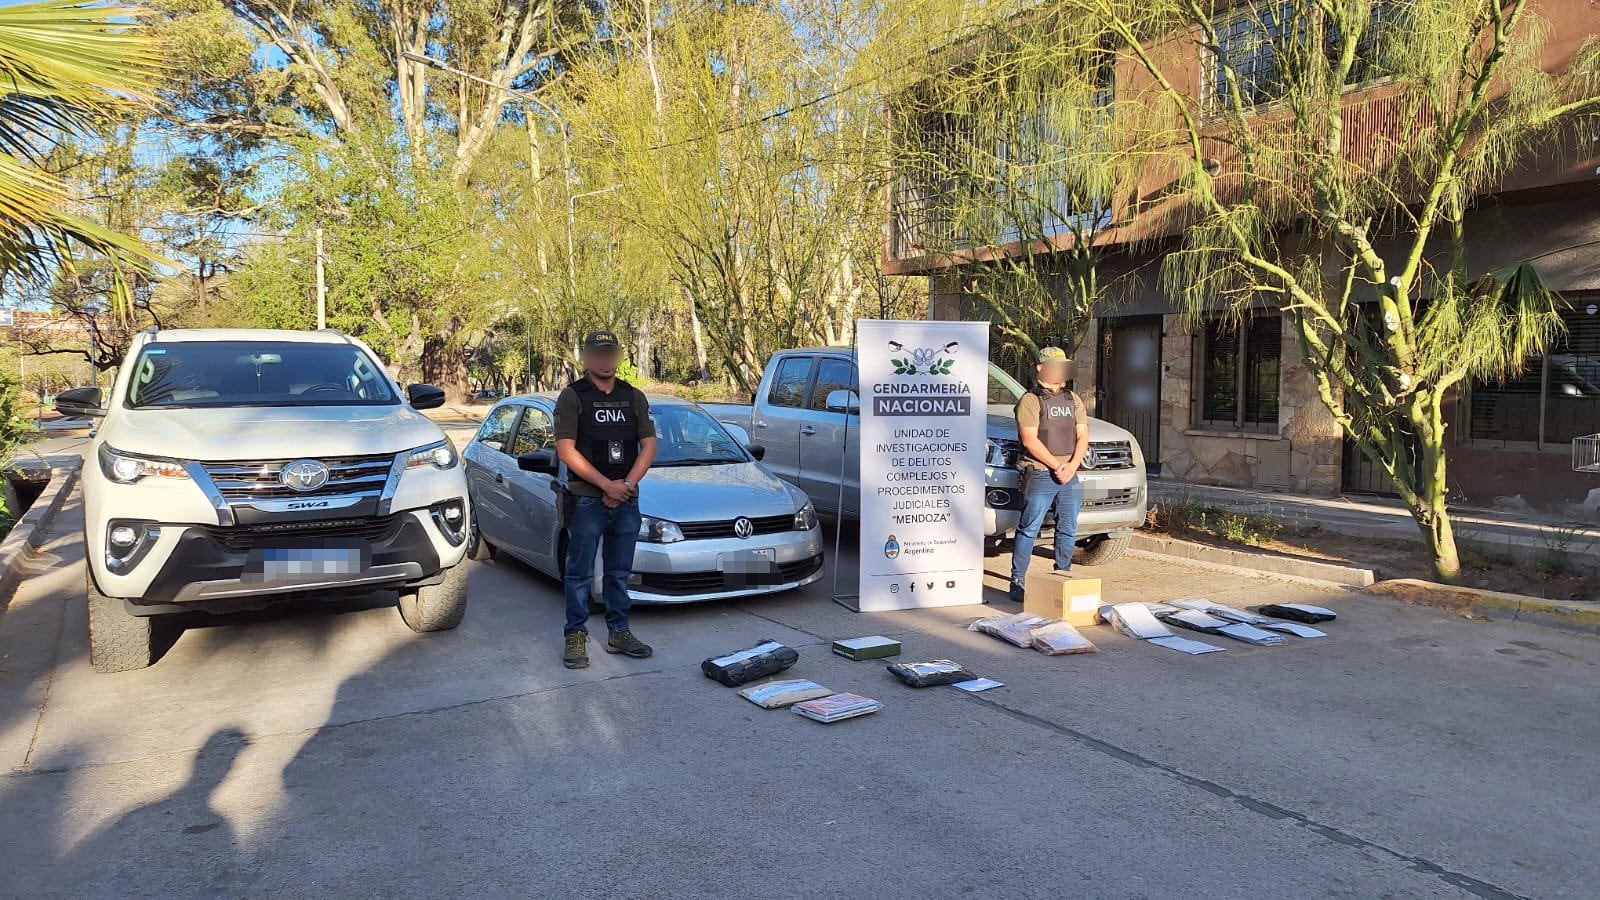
<point x="446" y="367"/>
<point x="1433" y="491"/>
<point x="702" y="362"/>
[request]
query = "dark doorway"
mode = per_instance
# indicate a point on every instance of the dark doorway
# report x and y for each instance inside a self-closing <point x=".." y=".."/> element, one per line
<point x="1360" y="475"/>
<point x="1129" y="392"/>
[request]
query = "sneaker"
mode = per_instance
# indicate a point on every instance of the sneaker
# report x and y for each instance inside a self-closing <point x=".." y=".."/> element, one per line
<point x="576" y="655"/>
<point x="625" y="643"/>
<point x="1016" y="593"/>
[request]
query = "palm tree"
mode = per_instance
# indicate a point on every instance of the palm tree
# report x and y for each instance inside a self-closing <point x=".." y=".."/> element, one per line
<point x="64" y="65"/>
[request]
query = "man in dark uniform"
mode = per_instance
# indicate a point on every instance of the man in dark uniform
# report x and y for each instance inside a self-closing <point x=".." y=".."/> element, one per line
<point x="606" y="439"/>
<point x="1054" y="430"/>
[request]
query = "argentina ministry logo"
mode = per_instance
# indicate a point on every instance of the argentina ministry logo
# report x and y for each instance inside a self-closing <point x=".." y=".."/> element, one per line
<point x="891" y="547"/>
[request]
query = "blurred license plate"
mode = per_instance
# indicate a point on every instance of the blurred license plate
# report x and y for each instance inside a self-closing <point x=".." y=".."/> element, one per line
<point x="748" y="562"/>
<point x="304" y="562"/>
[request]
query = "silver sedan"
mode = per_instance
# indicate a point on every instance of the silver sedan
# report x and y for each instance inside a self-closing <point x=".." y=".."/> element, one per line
<point x="716" y="523"/>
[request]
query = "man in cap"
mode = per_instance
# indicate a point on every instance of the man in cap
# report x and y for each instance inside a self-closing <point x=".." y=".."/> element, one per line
<point x="606" y="439"/>
<point x="1054" y="430"/>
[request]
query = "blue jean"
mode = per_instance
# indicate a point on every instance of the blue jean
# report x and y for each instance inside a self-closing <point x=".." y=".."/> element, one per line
<point x="591" y="525"/>
<point x="1041" y="495"/>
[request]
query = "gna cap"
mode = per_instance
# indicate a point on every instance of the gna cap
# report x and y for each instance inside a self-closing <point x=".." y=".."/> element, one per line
<point x="1049" y="355"/>
<point x="601" y="340"/>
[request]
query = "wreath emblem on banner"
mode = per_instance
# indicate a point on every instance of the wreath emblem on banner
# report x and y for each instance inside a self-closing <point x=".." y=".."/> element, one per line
<point x="923" y="360"/>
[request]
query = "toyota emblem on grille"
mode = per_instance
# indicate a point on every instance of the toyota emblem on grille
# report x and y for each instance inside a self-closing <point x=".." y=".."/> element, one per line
<point x="743" y="527"/>
<point x="304" y="475"/>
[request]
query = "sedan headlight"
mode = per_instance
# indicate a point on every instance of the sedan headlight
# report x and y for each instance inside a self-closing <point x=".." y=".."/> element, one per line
<point x="127" y="468"/>
<point x="441" y="455"/>
<point x="805" y="518"/>
<point x="659" y="531"/>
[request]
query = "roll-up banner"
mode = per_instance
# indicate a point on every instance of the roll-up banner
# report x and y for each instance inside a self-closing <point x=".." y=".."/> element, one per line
<point x="924" y="403"/>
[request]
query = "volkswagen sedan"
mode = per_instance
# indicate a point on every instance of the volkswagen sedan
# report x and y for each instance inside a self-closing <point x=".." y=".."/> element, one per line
<point x="716" y="523"/>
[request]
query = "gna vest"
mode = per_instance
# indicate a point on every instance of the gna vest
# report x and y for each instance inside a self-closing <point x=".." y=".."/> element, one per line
<point x="1058" y="426"/>
<point x="608" y="433"/>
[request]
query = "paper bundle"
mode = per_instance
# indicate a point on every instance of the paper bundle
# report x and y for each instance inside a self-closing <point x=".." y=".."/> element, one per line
<point x="1060" y="639"/>
<point x="778" y="694"/>
<point x="1244" y="617"/>
<point x="837" y="707"/>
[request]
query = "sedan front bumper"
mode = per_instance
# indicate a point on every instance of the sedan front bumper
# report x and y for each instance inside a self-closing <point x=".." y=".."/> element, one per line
<point x="693" y="571"/>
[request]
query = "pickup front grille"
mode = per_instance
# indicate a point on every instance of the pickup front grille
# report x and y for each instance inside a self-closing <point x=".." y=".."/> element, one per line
<point x="763" y="525"/>
<point x="370" y="529"/>
<point x="1123" y="497"/>
<point x="1109" y="455"/>
<point x="246" y="480"/>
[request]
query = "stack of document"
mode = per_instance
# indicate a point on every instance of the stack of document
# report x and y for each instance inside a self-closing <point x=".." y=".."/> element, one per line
<point x="778" y="694"/>
<point x="1060" y="639"/>
<point x="836" y="707"/>
<point x="1249" y="618"/>
<point x="1137" y="621"/>
<point x="1194" y="620"/>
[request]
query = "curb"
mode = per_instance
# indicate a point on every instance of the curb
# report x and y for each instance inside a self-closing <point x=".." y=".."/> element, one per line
<point x="28" y="534"/>
<point x="1579" y="617"/>
<point x="1281" y="566"/>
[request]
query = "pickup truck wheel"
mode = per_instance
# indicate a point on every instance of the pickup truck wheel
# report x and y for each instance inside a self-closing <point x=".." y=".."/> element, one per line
<point x="436" y="607"/>
<point x="118" y="642"/>
<point x="1104" y="548"/>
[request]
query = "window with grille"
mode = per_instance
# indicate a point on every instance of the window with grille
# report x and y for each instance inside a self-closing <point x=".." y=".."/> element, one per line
<point x="1555" y="398"/>
<point x="1240" y="366"/>
<point x="1258" y="43"/>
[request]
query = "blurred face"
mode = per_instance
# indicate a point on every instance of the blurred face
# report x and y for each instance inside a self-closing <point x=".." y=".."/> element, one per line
<point x="1053" y="373"/>
<point x="601" y="362"/>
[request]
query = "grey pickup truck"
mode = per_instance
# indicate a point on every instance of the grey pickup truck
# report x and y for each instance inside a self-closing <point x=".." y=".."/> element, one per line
<point x="801" y="413"/>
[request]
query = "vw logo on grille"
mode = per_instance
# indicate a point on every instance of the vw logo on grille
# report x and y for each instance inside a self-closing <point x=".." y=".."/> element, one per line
<point x="304" y="475"/>
<point x="743" y="527"/>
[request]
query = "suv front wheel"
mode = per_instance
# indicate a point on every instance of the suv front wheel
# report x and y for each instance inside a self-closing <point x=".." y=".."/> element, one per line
<point x="436" y="607"/>
<point x="118" y="642"/>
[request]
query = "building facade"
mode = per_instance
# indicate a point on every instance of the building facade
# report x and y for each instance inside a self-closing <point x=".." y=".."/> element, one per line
<point x="1231" y="402"/>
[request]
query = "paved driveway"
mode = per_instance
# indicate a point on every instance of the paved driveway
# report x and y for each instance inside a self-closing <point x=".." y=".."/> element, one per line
<point x="330" y="752"/>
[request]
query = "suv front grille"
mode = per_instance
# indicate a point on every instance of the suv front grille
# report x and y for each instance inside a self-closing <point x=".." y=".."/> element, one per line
<point x="1123" y="497"/>
<point x="246" y="480"/>
<point x="371" y="529"/>
<point x="763" y="525"/>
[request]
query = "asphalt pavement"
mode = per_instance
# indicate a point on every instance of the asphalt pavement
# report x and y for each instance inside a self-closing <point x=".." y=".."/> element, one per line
<point x="328" y="751"/>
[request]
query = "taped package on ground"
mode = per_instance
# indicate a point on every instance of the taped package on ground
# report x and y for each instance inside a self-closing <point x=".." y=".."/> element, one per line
<point x="1298" y="612"/>
<point x="1016" y="628"/>
<point x="778" y="694"/>
<point x="765" y="658"/>
<point x="836" y="707"/>
<point x="874" y="647"/>
<point x="931" y="673"/>
<point x="1060" y="639"/>
<point x="1194" y="620"/>
<point x="1244" y="617"/>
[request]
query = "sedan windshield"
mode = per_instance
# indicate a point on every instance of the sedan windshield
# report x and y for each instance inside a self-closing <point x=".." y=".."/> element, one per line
<point x="690" y="437"/>
<point x="256" y="373"/>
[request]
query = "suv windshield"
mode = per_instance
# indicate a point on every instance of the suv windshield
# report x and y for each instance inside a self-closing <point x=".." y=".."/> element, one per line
<point x="256" y="373"/>
<point x="689" y="437"/>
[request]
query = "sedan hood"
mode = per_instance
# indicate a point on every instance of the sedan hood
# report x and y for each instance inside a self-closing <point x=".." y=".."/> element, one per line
<point x="214" y="434"/>
<point x="714" y="493"/>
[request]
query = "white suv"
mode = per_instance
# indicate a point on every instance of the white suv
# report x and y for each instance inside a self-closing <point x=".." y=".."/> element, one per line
<point x="237" y="467"/>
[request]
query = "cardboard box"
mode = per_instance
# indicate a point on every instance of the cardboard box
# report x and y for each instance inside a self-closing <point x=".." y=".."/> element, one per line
<point x="1057" y="596"/>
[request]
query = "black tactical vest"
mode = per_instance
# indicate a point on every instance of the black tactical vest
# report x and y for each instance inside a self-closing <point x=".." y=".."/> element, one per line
<point x="1058" y="426"/>
<point x="608" y="433"/>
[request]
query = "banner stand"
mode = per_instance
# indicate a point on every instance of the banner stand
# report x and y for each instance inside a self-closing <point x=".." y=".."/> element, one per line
<point x="851" y="602"/>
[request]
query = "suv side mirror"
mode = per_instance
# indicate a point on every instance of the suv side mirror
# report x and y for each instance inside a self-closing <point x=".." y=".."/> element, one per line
<point x="424" y="396"/>
<point x="84" y="401"/>
<point x="844" y="401"/>
<point x="757" y="451"/>
<point x="539" y="462"/>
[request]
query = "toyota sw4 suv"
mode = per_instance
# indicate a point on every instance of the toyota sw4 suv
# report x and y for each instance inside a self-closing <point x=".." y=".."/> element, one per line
<point x="233" y="468"/>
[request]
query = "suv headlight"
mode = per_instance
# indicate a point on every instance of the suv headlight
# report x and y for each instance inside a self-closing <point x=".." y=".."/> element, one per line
<point x="805" y="518"/>
<point x="441" y="455"/>
<point x="659" y="531"/>
<point x="127" y="468"/>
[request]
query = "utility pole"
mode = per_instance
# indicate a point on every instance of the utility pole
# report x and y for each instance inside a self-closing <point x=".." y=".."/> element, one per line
<point x="572" y="225"/>
<point x="322" y="289"/>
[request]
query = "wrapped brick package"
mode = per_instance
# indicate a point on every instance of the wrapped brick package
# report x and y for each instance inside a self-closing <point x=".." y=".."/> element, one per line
<point x="765" y="658"/>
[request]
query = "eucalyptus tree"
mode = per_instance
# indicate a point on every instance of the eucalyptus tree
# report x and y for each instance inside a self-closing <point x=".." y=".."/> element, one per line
<point x="1357" y="234"/>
